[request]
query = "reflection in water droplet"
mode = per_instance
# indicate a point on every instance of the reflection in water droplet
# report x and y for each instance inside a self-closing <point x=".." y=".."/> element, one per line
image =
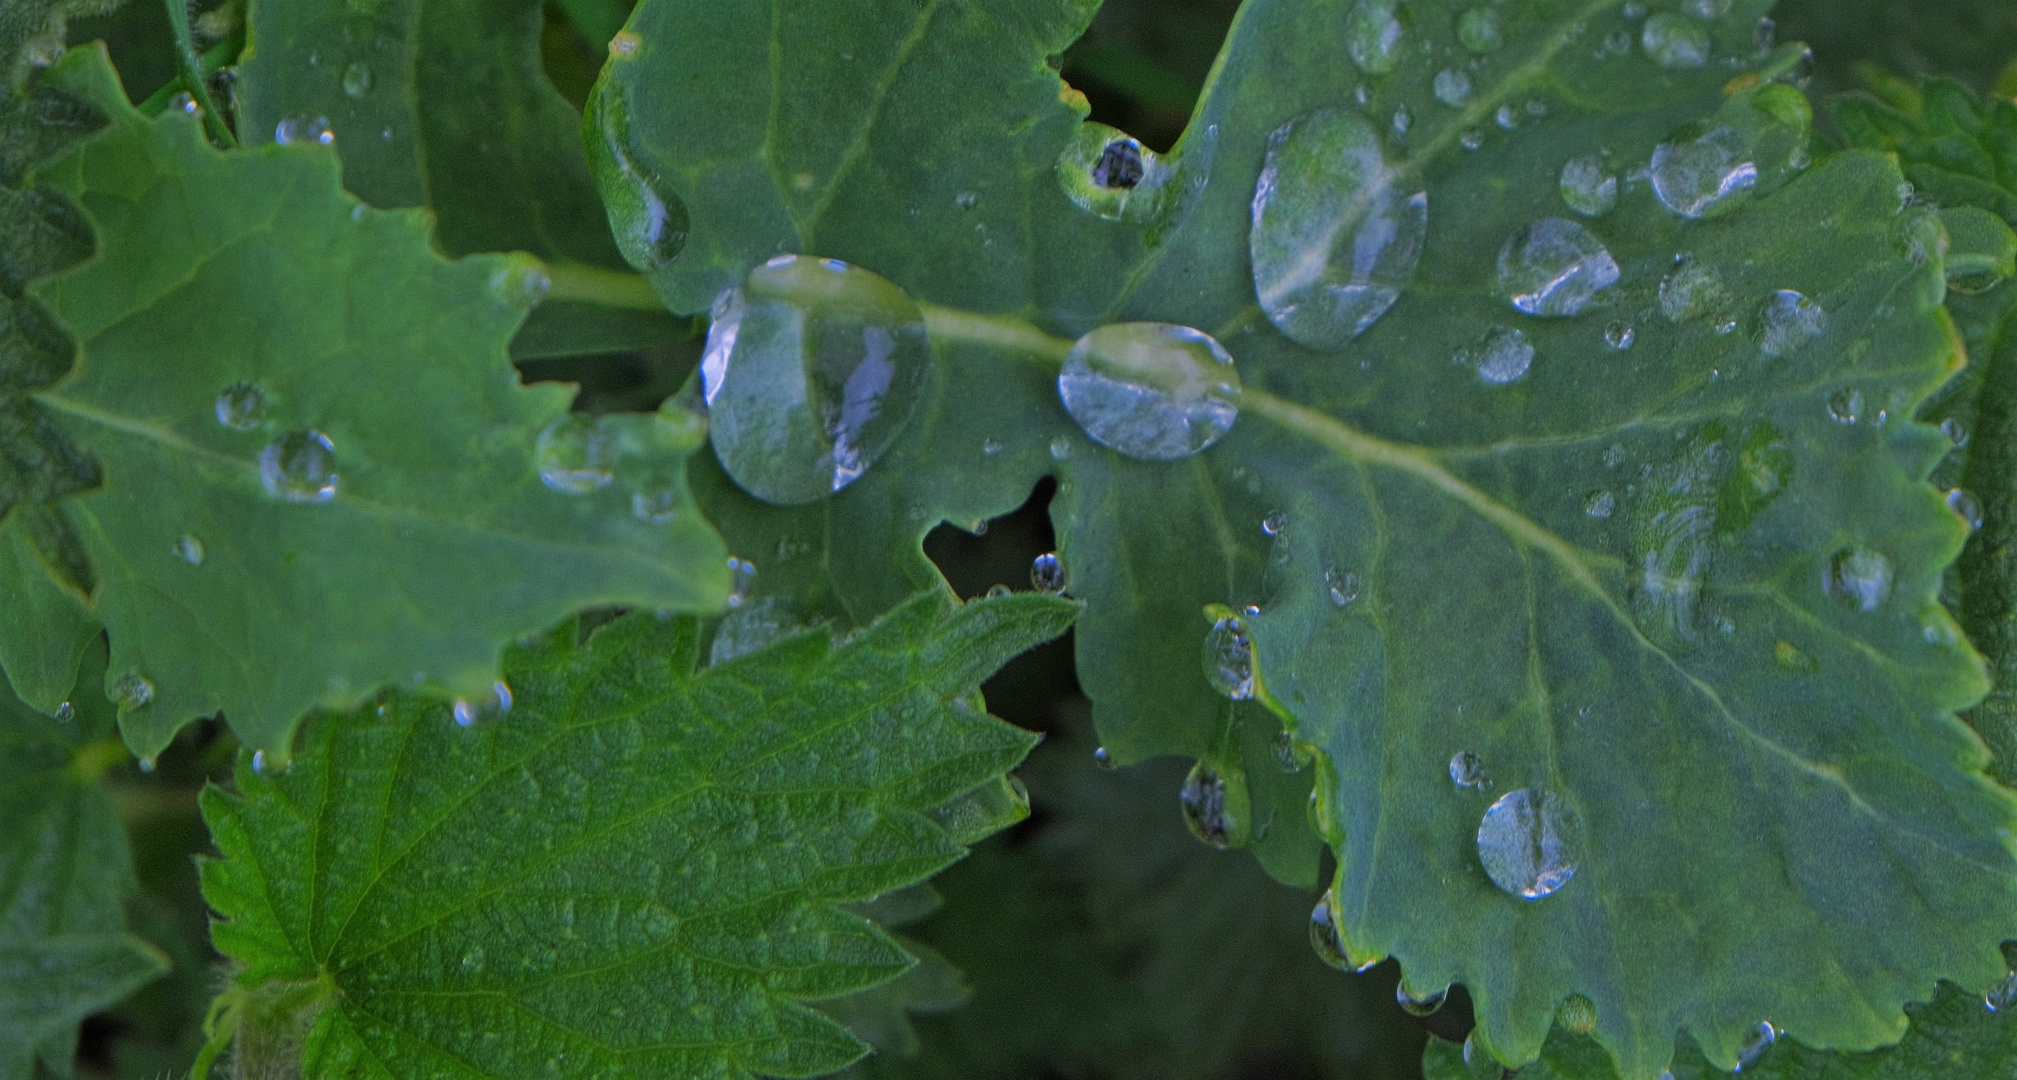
<point x="1047" y="573"/>
<point x="647" y="219"/>
<point x="1966" y="507"/>
<point x="1858" y="577"/>
<point x="1467" y="770"/>
<point x="1229" y="659"/>
<point x="132" y="691"/>
<point x="1620" y="336"/>
<point x="1333" y="243"/>
<point x="356" y="80"/>
<point x="1846" y="406"/>
<point x="1325" y="938"/>
<point x="1787" y="322"/>
<point x="241" y="406"/>
<point x="1588" y="187"/>
<point x="301" y="129"/>
<point x="1692" y="291"/>
<point x="1577" y="1015"/>
<point x="1151" y="390"/>
<point x="1554" y="267"/>
<point x="1373" y="35"/>
<point x="1703" y="169"/>
<point x="1502" y="356"/>
<point x="1755" y="1048"/>
<point x="1526" y="843"/>
<point x="1419" y="1004"/>
<point x="1479" y="30"/>
<point x="1600" y="505"/>
<point x="189" y="550"/>
<point x="2000" y="998"/>
<point x="1675" y="41"/>
<point x="496" y="703"/>
<point x="741" y="579"/>
<point x="811" y="370"/>
<point x="299" y="466"/>
<point x="1343" y="585"/>
<point x="1452" y="87"/>
<point x="573" y="455"/>
<point x="1204" y="802"/>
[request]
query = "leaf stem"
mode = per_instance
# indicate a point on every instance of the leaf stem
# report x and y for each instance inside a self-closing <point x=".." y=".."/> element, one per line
<point x="196" y="74"/>
<point x="952" y="326"/>
<point x="586" y="284"/>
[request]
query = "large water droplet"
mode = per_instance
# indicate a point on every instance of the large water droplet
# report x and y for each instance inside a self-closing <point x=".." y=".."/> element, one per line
<point x="132" y="691"/>
<point x="1503" y="355"/>
<point x="356" y="81"/>
<point x="1151" y="390"/>
<point x="1208" y="807"/>
<point x="1527" y="843"/>
<point x="1333" y="242"/>
<point x="1478" y="29"/>
<point x="301" y="129"/>
<point x="241" y="406"/>
<point x="1554" y="267"/>
<point x="575" y="454"/>
<point x="1452" y="87"/>
<point x="1419" y="1004"/>
<point x="190" y="550"/>
<point x="1467" y="770"/>
<point x="1787" y="322"/>
<point x="1692" y="291"/>
<point x="1859" y="577"/>
<point x="811" y="370"/>
<point x="299" y="466"/>
<point x="470" y="712"/>
<point x="648" y="220"/>
<point x="1047" y="573"/>
<point x="1588" y="187"/>
<point x="1755" y="1048"/>
<point x="1675" y="41"/>
<point x="1324" y="936"/>
<point x="1373" y="35"/>
<point x="1704" y="169"/>
<point x="1229" y="659"/>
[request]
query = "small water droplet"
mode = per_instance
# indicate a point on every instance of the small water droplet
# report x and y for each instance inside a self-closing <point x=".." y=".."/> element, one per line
<point x="1229" y="659"/>
<point x="1472" y="140"/>
<point x="1287" y="754"/>
<point x="469" y="713"/>
<point x="1620" y="336"/>
<point x="1467" y="770"/>
<point x="1600" y="505"/>
<point x="1755" y="1048"/>
<point x="189" y="550"/>
<point x="1955" y="430"/>
<point x="997" y="591"/>
<point x="1692" y="291"/>
<point x="1616" y="43"/>
<point x="1706" y="9"/>
<point x="966" y="200"/>
<point x="520" y="281"/>
<point x="1104" y="759"/>
<point x="656" y="502"/>
<point x="1633" y="10"/>
<point x="1403" y="120"/>
<point x="811" y="370"/>
<point x="301" y="129"/>
<point x="1275" y="523"/>
<point x="1373" y="35"/>
<point x="1536" y="107"/>
<point x="1787" y="322"/>
<point x="741" y="578"/>
<point x="646" y="217"/>
<point x="1205" y="805"/>
<point x="1859" y="577"/>
<point x="299" y="466"/>
<point x="1966" y="507"/>
<point x="185" y="103"/>
<point x="1703" y="169"/>
<point x="1846" y="406"/>
<point x="263" y="764"/>
<point x="1047" y="573"/>
<point x="1588" y="187"/>
<point x="1061" y="448"/>
<point x="356" y="80"/>
<point x="1343" y="584"/>
<point x="1506" y="118"/>
<point x="1325" y="938"/>
<point x="573" y="455"/>
<point x="1152" y="391"/>
<point x="1452" y="87"/>
<point x="132" y="691"/>
<point x="1526" y="843"/>
<point x="2001" y="997"/>
<point x="1478" y="30"/>
<point x="1675" y="42"/>
<point x="1333" y="242"/>
<point x="1419" y="1004"/>
<point x="241" y="406"/>
<point x="147" y="764"/>
<point x="65" y="713"/>
<point x="1554" y="268"/>
<point x="624" y="45"/>
<point x="1502" y="356"/>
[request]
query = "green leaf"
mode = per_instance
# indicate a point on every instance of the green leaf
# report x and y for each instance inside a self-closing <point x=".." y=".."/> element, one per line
<point x="64" y="873"/>
<point x="225" y="584"/>
<point x="1664" y="585"/>
<point x="635" y="870"/>
<point x="1952" y="1036"/>
<point x="1970" y="39"/>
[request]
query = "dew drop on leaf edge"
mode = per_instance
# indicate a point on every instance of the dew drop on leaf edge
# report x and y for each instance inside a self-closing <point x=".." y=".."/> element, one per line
<point x="1047" y="573"/>
<point x="1151" y="391"/>
<point x="1206" y="809"/>
<point x="1229" y="659"/>
<point x="470" y="712"/>
<point x="648" y="220"/>
<point x="1419" y="1005"/>
<point x="574" y="456"/>
<point x="1324" y="938"/>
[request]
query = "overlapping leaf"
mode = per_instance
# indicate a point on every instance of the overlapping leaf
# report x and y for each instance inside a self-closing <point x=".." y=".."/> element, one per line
<point x="1669" y="584"/>
<point x="636" y="871"/>
<point x="414" y="537"/>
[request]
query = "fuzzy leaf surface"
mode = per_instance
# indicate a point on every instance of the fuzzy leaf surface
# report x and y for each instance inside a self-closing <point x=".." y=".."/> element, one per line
<point x="1831" y="829"/>
<point x="438" y="542"/>
<point x="636" y="871"/>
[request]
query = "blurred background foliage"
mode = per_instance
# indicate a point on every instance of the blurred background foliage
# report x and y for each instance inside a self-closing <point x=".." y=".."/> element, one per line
<point x="1098" y="939"/>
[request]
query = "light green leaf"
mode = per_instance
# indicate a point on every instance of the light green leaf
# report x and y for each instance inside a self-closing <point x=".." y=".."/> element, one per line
<point x="637" y="870"/>
<point x="1666" y="588"/>
<point x="64" y="875"/>
<point x="233" y="572"/>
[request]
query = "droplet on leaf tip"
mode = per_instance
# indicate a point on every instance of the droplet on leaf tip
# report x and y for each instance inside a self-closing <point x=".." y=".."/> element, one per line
<point x="1419" y="1005"/>
<point x="1047" y="573"/>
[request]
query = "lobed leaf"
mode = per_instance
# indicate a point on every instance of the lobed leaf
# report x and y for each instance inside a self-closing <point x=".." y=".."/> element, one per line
<point x="634" y="872"/>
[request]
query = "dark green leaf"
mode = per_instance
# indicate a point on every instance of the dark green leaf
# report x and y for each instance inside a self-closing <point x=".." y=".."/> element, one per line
<point x="231" y="574"/>
<point x="637" y="870"/>
<point x="1970" y="39"/>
